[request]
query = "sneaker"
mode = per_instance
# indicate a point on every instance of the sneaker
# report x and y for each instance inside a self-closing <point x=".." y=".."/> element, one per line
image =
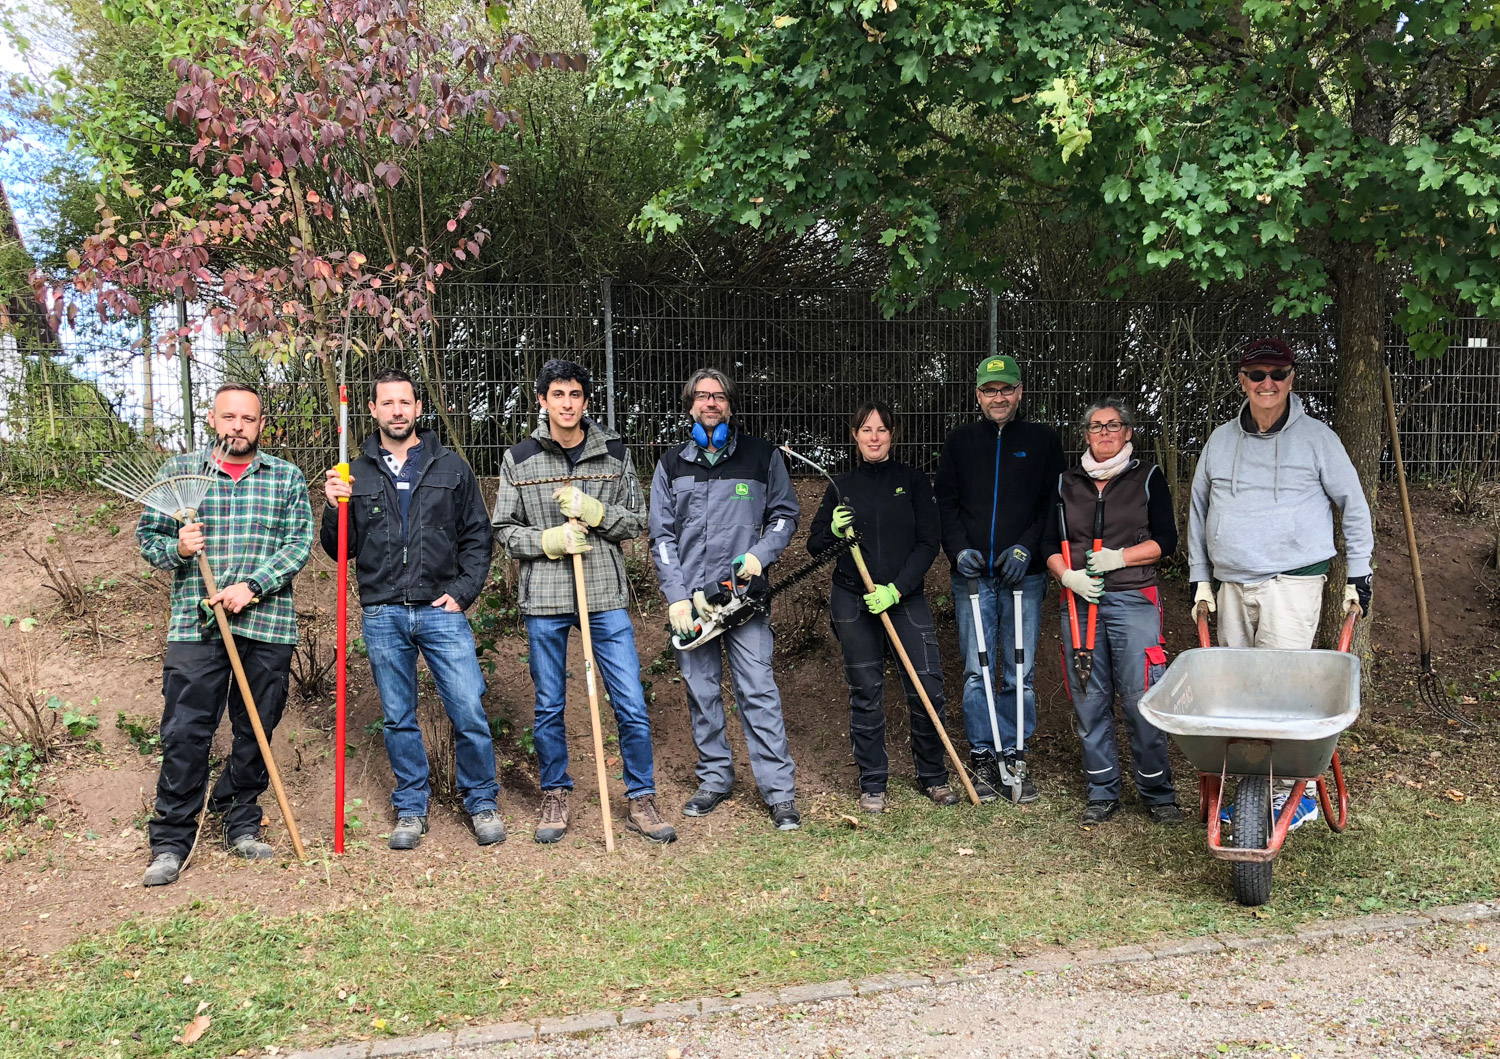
<point x="1307" y="809"/>
<point x="704" y="802"/>
<point x="872" y="801"/>
<point x="163" y="871"/>
<point x="645" y="819"/>
<point x="1170" y="813"/>
<point x="1099" y="811"/>
<point x="250" y="847"/>
<point x="1018" y="786"/>
<point x="986" y="776"/>
<point x="489" y="826"/>
<point x="554" y="822"/>
<point x="941" y="794"/>
<point x="408" y="832"/>
<point x="785" y="816"/>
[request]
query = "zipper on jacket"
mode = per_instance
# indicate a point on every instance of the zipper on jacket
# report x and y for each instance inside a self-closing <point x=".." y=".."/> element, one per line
<point x="995" y="498"/>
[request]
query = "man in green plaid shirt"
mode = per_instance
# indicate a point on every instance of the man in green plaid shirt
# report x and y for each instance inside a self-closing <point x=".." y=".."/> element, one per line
<point x="255" y="526"/>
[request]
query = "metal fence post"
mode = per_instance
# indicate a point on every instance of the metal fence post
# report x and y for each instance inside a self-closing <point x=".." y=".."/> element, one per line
<point x="186" y="371"/>
<point x="994" y="324"/>
<point x="605" y="291"/>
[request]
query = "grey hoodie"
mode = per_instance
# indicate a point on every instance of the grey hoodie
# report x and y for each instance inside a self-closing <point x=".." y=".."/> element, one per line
<point x="1263" y="503"/>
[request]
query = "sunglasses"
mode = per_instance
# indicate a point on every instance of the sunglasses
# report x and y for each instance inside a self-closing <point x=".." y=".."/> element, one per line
<point x="1259" y="374"/>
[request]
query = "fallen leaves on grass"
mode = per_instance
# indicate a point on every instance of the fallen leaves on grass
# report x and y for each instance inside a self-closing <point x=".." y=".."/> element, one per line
<point x="964" y="851"/>
<point x="1453" y="794"/>
<point x="852" y="821"/>
<point x="195" y="1029"/>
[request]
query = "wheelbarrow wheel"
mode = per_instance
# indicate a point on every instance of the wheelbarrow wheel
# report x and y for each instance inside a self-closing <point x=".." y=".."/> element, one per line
<point x="1252" y="808"/>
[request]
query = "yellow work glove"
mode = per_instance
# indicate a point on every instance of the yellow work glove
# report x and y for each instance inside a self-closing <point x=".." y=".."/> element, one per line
<point x="746" y="566"/>
<point x="883" y="598"/>
<point x="843" y="517"/>
<point x="567" y="539"/>
<point x="1104" y="560"/>
<point x="1204" y="594"/>
<point x="573" y="502"/>
<point x="680" y="614"/>
<point x="1083" y="584"/>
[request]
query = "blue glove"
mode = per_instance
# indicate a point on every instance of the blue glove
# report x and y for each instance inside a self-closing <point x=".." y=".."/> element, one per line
<point x="971" y="564"/>
<point x="1017" y="561"/>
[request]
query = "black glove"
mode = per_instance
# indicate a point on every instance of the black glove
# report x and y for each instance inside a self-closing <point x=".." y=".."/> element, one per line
<point x="971" y="564"/>
<point x="1361" y="585"/>
<point x="1017" y="562"/>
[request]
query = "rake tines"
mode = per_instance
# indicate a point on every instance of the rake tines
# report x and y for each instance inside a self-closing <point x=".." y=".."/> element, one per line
<point x="138" y="477"/>
<point x="1435" y="697"/>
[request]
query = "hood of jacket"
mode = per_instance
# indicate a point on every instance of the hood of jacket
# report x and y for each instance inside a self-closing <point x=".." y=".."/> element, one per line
<point x="1243" y="438"/>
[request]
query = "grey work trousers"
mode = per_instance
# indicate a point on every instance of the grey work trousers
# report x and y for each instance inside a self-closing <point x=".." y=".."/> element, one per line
<point x="759" y="702"/>
<point x="1128" y="658"/>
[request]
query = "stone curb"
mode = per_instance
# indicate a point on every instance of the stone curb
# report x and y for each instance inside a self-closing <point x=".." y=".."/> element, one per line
<point x="1051" y="962"/>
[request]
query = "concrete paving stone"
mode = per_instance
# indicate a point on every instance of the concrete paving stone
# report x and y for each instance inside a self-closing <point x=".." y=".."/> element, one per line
<point x="1389" y="924"/>
<point x="1120" y="954"/>
<point x="588" y="1022"/>
<point x="357" y="1050"/>
<point x="885" y="983"/>
<point x="720" y="1005"/>
<point x="670" y="1012"/>
<point x="428" y="1042"/>
<point x="949" y="977"/>
<point x="1048" y="962"/>
<point x="811" y="994"/>
<point x="1474" y="912"/>
<point x="497" y="1033"/>
<point x="1254" y="941"/>
<point x="1201" y="946"/>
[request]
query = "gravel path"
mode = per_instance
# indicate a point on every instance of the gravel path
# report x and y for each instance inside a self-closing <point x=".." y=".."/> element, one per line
<point x="1432" y="991"/>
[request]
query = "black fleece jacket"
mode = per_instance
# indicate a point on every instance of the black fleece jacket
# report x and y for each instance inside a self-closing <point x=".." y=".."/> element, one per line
<point x="995" y="489"/>
<point x="896" y="517"/>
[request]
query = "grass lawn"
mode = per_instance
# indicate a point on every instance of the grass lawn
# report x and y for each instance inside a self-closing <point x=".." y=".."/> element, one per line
<point x="915" y="889"/>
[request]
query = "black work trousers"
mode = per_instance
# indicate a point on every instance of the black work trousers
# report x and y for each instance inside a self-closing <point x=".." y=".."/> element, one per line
<point x="866" y="646"/>
<point x="198" y="683"/>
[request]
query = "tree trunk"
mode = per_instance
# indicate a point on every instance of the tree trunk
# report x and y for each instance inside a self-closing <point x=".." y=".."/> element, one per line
<point x="1359" y="415"/>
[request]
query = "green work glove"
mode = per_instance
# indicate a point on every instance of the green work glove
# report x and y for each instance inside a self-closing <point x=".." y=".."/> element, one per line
<point x="1104" y="560"/>
<point x="843" y="517"/>
<point x="680" y="614"/>
<point x="746" y="566"/>
<point x="882" y="599"/>
<point x="573" y="502"/>
<point x="1083" y="584"/>
<point x="567" y="539"/>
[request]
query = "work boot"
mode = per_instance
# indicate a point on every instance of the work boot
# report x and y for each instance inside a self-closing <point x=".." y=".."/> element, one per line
<point x="1169" y="813"/>
<point x="785" y="816"/>
<point x="645" y="819"/>
<point x="554" y="822"/>
<point x="986" y="776"/>
<point x="1099" y="811"/>
<point x="941" y="794"/>
<point x="1018" y="788"/>
<point x="250" y="847"/>
<point x="489" y="827"/>
<point x="163" y="871"/>
<point x="408" y="832"/>
<point x="704" y="802"/>
<point x="872" y="801"/>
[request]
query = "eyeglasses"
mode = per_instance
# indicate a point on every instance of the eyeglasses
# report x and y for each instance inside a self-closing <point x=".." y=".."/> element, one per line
<point x="989" y="393"/>
<point x="710" y="395"/>
<point x="1114" y="426"/>
<point x="1259" y="374"/>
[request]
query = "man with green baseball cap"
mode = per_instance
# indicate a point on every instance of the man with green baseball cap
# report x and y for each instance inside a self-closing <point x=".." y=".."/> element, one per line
<point x="995" y="481"/>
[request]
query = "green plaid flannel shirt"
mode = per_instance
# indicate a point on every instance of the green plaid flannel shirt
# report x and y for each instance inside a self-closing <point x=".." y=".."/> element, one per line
<point x="260" y="528"/>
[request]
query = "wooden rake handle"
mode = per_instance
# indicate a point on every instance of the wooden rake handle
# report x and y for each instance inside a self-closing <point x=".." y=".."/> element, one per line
<point x="588" y="672"/>
<point x="249" y="701"/>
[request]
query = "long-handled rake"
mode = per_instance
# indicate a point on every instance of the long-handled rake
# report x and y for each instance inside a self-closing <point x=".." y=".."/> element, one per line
<point x="139" y="478"/>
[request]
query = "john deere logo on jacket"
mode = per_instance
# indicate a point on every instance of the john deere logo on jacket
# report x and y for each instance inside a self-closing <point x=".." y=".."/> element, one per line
<point x="742" y="490"/>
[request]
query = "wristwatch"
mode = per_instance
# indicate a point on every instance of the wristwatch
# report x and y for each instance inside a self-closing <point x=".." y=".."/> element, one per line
<point x="254" y="586"/>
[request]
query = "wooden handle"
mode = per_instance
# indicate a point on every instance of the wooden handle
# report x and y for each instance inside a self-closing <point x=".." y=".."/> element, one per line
<point x="249" y="701"/>
<point x="588" y="671"/>
<point x="911" y="672"/>
<point x="1423" y="629"/>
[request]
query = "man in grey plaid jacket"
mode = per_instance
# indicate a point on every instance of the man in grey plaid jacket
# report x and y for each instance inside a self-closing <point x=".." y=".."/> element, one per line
<point x="543" y="520"/>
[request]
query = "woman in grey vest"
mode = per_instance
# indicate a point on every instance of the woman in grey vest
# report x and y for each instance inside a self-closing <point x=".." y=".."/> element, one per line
<point x="1125" y="503"/>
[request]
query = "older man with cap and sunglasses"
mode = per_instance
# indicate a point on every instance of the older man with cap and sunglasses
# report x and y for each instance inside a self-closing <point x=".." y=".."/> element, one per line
<point x="1261" y="525"/>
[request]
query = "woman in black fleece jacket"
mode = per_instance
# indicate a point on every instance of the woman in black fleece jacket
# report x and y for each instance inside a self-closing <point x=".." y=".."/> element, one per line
<point x="892" y="508"/>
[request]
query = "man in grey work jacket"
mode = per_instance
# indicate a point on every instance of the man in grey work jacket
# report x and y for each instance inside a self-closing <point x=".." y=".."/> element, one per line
<point x="722" y="509"/>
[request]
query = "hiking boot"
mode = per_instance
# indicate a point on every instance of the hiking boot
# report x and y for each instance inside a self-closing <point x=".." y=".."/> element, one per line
<point x="785" y="816"/>
<point x="554" y="822"/>
<point x="408" y="832"/>
<point x="986" y="776"/>
<point x="1099" y="811"/>
<point x="941" y="794"/>
<point x="1018" y="786"/>
<point x="489" y="827"/>
<point x="163" y="871"/>
<point x="645" y="819"/>
<point x="872" y="801"/>
<point x="250" y="847"/>
<point x="704" y="802"/>
<point x="1169" y="813"/>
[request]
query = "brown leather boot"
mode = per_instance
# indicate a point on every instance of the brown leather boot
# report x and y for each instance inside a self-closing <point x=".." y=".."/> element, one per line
<point x="645" y="819"/>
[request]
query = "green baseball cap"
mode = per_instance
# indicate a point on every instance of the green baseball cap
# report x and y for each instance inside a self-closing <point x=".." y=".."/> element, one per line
<point x="997" y="369"/>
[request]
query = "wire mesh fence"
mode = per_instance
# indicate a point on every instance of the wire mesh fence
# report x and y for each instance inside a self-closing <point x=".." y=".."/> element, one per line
<point x="803" y="359"/>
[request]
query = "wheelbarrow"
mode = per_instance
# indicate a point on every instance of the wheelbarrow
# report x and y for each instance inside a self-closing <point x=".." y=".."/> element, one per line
<point x="1258" y="715"/>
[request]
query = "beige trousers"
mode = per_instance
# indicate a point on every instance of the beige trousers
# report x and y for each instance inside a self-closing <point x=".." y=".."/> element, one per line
<point x="1282" y="612"/>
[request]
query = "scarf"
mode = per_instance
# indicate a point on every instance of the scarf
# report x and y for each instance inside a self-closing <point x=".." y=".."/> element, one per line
<point x="1110" y="467"/>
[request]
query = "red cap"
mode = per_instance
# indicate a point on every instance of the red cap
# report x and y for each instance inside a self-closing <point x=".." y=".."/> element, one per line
<point x="1272" y="351"/>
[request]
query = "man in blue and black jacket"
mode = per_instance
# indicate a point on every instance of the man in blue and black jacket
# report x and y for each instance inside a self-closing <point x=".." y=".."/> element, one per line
<point x="995" y="479"/>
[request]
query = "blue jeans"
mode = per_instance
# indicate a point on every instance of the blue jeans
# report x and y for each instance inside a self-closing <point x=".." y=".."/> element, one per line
<point x="394" y="633"/>
<point x="614" y="650"/>
<point x="997" y="610"/>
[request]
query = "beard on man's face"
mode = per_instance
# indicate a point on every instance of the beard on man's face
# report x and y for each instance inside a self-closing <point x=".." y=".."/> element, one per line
<point x="236" y="446"/>
<point x="398" y="432"/>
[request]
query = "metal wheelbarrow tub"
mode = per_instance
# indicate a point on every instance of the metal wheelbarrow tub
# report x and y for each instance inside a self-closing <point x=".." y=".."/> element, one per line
<point x="1256" y="711"/>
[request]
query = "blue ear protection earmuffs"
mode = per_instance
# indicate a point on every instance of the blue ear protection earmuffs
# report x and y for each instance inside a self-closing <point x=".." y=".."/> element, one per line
<point x="721" y="435"/>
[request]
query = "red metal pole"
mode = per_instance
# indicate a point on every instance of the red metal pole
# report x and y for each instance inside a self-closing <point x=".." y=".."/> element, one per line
<point x="341" y="659"/>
